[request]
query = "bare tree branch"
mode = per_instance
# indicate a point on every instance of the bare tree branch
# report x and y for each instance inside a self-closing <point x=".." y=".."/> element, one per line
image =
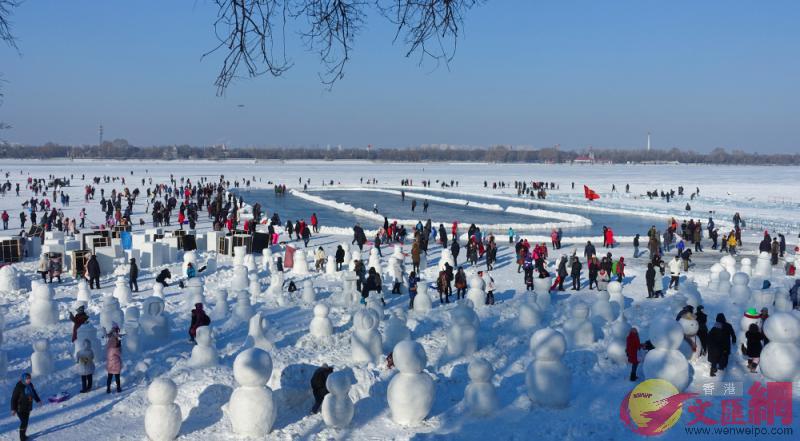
<point x="244" y="29"/>
<point x="333" y="27"/>
<point x="6" y="36"/>
<point x="428" y="27"/>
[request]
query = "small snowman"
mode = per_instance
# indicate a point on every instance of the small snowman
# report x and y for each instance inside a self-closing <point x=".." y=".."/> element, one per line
<point x="395" y="330"/>
<point x="541" y="289"/>
<point x="266" y="259"/>
<point x="220" y="310"/>
<point x="740" y="292"/>
<point x="614" y="289"/>
<point x="729" y="263"/>
<point x="158" y="290"/>
<point x="162" y="419"/>
<point x="243" y="309"/>
<point x="480" y="395"/>
<point x="153" y="323"/>
<point x="122" y="291"/>
<point x="41" y="360"/>
<point x="43" y="311"/>
<point x="578" y="328"/>
<point x="666" y="361"/>
<point x="204" y="354"/>
<point x="780" y="358"/>
<point x="411" y="391"/>
<point x="374" y="303"/>
<point x="547" y="379"/>
<point x="83" y="292"/>
<point x="308" y="296"/>
<point x="254" y="287"/>
<point x="321" y="326"/>
<point x="476" y="291"/>
<point x="446" y="258"/>
<point x="763" y="266"/>
<point x="530" y="316"/>
<point x="366" y="341"/>
<point x="617" y="343"/>
<point x="750" y="316"/>
<point x="251" y="408"/>
<point x="602" y="310"/>
<point x="724" y="285"/>
<point x="747" y="266"/>
<point x="131" y="327"/>
<point x="250" y="264"/>
<point x="462" y="335"/>
<point x="240" y="280"/>
<point x="330" y="266"/>
<point x="422" y="301"/>
<point x="337" y="407"/>
<point x="300" y="267"/>
<point x="257" y="333"/>
<point x="713" y="280"/>
<point x="111" y="312"/>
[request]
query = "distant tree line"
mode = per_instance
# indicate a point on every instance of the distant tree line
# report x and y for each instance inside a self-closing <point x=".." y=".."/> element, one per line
<point x="121" y="149"/>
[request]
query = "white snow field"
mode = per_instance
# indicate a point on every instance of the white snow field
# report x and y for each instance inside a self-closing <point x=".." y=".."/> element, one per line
<point x="766" y="197"/>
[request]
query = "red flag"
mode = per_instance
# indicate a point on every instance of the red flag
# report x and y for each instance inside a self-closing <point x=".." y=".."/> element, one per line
<point x="590" y="194"/>
<point x="288" y="260"/>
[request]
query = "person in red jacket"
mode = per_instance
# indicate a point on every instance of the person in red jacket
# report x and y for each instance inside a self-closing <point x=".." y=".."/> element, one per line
<point x="632" y="346"/>
<point x="621" y="269"/>
<point x="314" y="222"/>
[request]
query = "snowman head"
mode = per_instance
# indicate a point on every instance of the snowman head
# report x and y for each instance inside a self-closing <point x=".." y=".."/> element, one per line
<point x="41" y="345"/>
<point x="409" y="357"/>
<point x="548" y="345"/>
<point x="783" y="327"/>
<point x="666" y="333"/>
<point x="741" y="279"/>
<point x="321" y="310"/>
<point x="480" y="371"/>
<point x="364" y="320"/>
<point x="203" y="336"/>
<point x="162" y="391"/>
<point x="252" y="367"/>
<point x="580" y="311"/>
<point x="338" y="383"/>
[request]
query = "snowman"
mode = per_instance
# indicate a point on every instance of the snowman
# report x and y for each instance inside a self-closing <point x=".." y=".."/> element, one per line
<point x="530" y="316"/>
<point x="251" y="408"/>
<point x="395" y="330"/>
<point x="300" y="264"/>
<point x="713" y="280"/>
<point x="243" y="309"/>
<point x="780" y="358"/>
<point x="211" y="263"/>
<point x="763" y="266"/>
<point x="578" y="328"/>
<point x="337" y="407"/>
<point x="330" y="266"/>
<point x="9" y="279"/>
<point x="87" y="332"/>
<point x="266" y="259"/>
<point x="422" y="301"/>
<point x="614" y="289"/>
<point x="476" y="291"/>
<point x="541" y="289"/>
<point x="547" y="379"/>
<point x="111" y="313"/>
<point x="462" y="335"/>
<point x="204" y="354"/>
<point x="740" y="292"/>
<point x="188" y="257"/>
<point x="84" y="295"/>
<point x="750" y="316"/>
<point x="257" y="333"/>
<point x="158" y="290"/>
<point x="321" y="326"/>
<point x="616" y="349"/>
<point x="480" y="396"/>
<point x="446" y="258"/>
<point x="747" y="266"/>
<point x="365" y="342"/>
<point x="131" y="328"/>
<point x="724" y="286"/>
<point x="729" y="263"/>
<point x="43" y="311"/>
<point x="220" y="310"/>
<point x="153" y="323"/>
<point x="602" y="310"/>
<point x="690" y="327"/>
<point x="666" y="361"/>
<point x="253" y="287"/>
<point x="250" y="264"/>
<point x="374" y="260"/>
<point x="411" y="391"/>
<point x="41" y="360"/>
<point x="162" y="419"/>
<point x="308" y="296"/>
<point x="239" y="281"/>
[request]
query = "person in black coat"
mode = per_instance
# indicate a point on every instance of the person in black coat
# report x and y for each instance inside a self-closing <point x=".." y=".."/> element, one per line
<point x="455" y="248"/>
<point x="562" y="272"/>
<point x="22" y="403"/>
<point x="133" y="276"/>
<point x="163" y="276"/>
<point x="702" y="332"/>
<point x="650" y="278"/>
<point x="93" y="270"/>
<point x="576" y="273"/>
<point x="720" y="339"/>
<point x="339" y="258"/>
<point x="318" y="385"/>
<point x="754" y="345"/>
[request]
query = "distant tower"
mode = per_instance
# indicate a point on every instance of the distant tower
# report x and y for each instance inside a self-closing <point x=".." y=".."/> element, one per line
<point x="648" y="141"/>
<point x="100" y="132"/>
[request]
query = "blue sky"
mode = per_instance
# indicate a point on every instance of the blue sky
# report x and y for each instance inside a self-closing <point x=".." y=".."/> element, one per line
<point x="698" y="74"/>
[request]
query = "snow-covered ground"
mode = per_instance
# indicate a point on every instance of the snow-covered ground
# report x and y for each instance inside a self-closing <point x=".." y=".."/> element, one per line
<point x="765" y="197"/>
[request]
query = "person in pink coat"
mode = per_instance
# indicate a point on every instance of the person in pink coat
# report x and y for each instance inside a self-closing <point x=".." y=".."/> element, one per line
<point x="113" y="357"/>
